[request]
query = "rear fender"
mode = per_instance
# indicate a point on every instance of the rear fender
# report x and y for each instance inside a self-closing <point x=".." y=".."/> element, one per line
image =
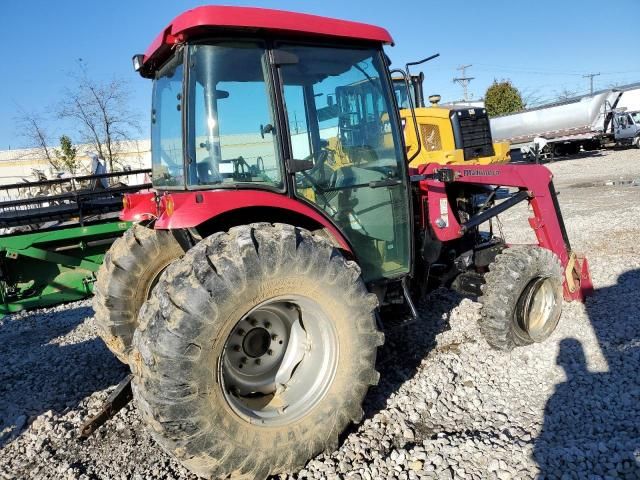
<point x="181" y="210"/>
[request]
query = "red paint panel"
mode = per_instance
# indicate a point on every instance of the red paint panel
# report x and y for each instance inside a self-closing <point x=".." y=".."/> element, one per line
<point x="544" y="222"/>
<point x="190" y="209"/>
<point x="277" y="21"/>
<point x="139" y="207"/>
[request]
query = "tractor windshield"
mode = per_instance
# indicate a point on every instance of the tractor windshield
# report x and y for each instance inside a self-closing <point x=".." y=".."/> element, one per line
<point x="227" y="114"/>
<point x="166" y="126"/>
<point x="231" y="129"/>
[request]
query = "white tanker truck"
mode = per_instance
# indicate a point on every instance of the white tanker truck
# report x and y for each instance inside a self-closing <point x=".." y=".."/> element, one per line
<point x="606" y="118"/>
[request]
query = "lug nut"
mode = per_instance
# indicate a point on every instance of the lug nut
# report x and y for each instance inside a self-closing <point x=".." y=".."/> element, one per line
<point x="243" y="360"/>
<point x="253" y="322"/>
<point x="240" y="332"/>
<point x="237" y="348"/>
<point x="258" y="361"/>
<point x="269" y="352"/>
<point x="274" y="337"/>
<point x="267" y="324"/>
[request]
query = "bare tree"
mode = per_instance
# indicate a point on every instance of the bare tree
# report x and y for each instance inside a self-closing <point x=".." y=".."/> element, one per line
<point x="31" y="127"/>
<point x="566" y="93"/>
<point x="531" y="97"/>
<point x="101" y="112"/>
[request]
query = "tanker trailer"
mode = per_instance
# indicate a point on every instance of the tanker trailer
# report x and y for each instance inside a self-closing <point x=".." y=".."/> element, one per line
<point x="559" y="128"/>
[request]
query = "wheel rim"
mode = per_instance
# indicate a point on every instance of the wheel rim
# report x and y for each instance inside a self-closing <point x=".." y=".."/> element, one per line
<point x="538" y="311"/>
<point x="279" y="360"/>
<point x="152" y="284"/>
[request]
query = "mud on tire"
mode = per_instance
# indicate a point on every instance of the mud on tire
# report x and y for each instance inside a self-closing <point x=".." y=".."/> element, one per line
<point x="130" y="268"/>
<point x="522" y="297"/>
<point x="190" y="322"/>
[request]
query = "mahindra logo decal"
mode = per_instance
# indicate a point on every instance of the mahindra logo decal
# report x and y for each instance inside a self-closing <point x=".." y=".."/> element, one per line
<point x="481" y="173"/>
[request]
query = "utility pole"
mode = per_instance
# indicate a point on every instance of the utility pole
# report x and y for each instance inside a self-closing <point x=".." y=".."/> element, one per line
<point x="464" y="80"/>
<point x="295" y="122"/>
<point x="590" y="77"/>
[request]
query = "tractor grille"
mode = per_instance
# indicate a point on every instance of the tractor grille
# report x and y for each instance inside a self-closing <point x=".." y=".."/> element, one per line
<point x="474" y="132"/>
<point x="431" y="137"/>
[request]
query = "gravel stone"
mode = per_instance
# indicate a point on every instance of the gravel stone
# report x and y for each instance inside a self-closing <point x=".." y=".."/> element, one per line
<point x="447" y="406"/>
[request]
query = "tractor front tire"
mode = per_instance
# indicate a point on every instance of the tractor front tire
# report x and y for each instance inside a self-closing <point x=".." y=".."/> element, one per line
<point x="521" y="297"/>
<point x="130" y="269"/>
<point x="255" y="352"/>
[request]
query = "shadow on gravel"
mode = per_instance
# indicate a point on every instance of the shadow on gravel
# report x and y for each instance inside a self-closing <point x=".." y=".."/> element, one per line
<point x="593" y="419"/>
<point x="40" y="372"/>
<point x="406" y="347"/>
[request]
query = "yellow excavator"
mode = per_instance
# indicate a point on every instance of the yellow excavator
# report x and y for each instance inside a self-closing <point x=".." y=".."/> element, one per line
<point x="448" y="135"/>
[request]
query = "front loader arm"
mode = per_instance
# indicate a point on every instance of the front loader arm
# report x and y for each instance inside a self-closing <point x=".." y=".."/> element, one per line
<point x="535" y="185"/>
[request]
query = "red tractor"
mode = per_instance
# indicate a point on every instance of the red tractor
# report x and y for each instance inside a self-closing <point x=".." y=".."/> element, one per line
<point x="285" y="229"/>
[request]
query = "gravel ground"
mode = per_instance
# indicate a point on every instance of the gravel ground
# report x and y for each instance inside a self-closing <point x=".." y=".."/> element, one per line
<point x="446" y="407"/>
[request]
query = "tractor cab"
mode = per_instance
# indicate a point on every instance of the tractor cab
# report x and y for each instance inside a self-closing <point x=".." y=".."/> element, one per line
<point x="282" y="234"/>
<point x="270" y="110"/>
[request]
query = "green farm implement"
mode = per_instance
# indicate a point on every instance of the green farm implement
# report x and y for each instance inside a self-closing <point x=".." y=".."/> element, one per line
<point x="55" y="234"/>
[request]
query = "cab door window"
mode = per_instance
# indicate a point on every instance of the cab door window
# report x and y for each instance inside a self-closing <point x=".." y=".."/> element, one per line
<point x="339" y="106"/>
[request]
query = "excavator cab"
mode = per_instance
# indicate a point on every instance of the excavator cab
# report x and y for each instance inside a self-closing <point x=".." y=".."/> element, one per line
<point x="404" y="95"/>
<point x="446" y="135"/>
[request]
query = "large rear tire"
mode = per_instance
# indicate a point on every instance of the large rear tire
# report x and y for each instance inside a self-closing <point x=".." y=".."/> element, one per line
<point x="255" y="351"/>
<point x="130" y="269"/>
<point x="521" y="297"/>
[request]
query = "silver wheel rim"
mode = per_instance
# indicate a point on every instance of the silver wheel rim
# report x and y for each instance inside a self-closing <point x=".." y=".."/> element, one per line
<point x="279" y="360"/>
<point x="538" y="312"/>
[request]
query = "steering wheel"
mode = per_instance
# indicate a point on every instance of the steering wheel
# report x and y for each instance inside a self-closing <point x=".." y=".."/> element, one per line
<point x="258" y="168"/>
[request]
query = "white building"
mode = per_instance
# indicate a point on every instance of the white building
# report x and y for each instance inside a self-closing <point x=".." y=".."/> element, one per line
<point x="17" y="166"/>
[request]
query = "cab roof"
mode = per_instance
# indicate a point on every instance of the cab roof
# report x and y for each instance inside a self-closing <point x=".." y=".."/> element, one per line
<point x="199" y="22"/>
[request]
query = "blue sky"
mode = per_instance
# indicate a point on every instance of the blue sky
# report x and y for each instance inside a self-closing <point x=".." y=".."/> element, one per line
<point x="544" y="47"/>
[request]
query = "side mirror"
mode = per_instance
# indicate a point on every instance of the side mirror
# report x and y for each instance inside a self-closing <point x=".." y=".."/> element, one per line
<point x="330" y="101"/>
<point x="268" y="128"/>
<point x="222" y="94"/>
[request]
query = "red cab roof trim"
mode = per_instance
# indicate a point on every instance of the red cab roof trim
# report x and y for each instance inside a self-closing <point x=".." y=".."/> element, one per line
<point x="264" y="19"/>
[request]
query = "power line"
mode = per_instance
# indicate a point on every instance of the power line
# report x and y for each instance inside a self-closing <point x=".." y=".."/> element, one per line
<point x="516" y="69"/>
<point x="527" y="70"/>
<point x="464" y="81"/>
